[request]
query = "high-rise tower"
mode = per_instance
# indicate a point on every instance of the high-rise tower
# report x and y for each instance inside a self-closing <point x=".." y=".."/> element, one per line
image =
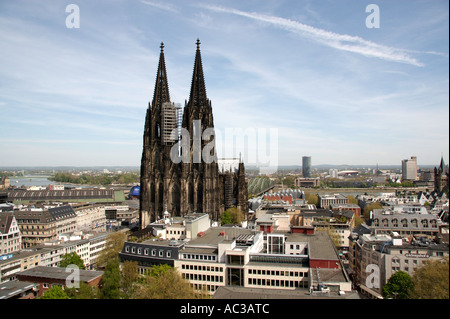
<point x="306" y="166"/>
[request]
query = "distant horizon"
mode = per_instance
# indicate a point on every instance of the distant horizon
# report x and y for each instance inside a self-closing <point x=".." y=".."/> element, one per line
<point x="328" y="83"/>
<point x="361" y="166"/>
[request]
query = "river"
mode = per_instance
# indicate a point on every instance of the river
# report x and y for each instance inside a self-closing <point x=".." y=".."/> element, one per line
<point x="38" y="180"/>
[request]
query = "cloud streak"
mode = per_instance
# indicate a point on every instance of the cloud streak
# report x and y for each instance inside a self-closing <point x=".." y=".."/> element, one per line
<point x="162" y="6"/>
<point x="338" y="41"/>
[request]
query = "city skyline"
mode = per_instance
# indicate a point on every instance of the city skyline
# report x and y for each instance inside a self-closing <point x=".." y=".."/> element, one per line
<point x="334" y="89"/>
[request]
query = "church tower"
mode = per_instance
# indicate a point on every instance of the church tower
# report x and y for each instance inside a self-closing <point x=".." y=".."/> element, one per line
<point x="201" y="174"/>
<point x="441" y="177"/>
<point x="156" y="166"/>
<point x="194" y="184"/>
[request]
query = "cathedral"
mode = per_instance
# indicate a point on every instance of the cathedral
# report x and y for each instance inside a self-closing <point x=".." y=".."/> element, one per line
<point x="180" y="171"/>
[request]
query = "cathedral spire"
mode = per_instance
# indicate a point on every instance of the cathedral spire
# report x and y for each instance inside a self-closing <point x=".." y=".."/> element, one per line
<point x="161" y="94"/>
<point x="197" y="97"/>
<point x="442" y="165"/>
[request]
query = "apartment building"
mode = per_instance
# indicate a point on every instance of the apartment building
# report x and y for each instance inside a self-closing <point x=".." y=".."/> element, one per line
<point x="88" y="247"/>
<point x="405" y="223"/>
<point x="90" y="217"/>
<point x="10" y="236"/>
<point x="325" y="200"/>
<point x="40" y="226"/>
<point x="377" y="257"/>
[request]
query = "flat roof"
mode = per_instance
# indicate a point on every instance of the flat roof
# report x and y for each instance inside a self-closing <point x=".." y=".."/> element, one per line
<point x="59" y="273"/>
<point x="212" y="236"/>
<point x="320" y="244"/>
<point x="159" y="242"/>
<point x="9" y="289"/>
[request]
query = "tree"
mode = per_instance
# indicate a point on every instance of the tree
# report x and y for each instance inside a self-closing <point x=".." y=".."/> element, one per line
<point x="398" y="286"/>
<point x="114" y="244"/>
<point x="129" y="277"/>
<point x="371" y="207"/>
<point x="352" y="199"/>
<point x="232" y="216"/>
<point x="110" y="284"/>
<point x="226" y="218"/>
<point x="71" y="259"/>
<point x="165" y="282"/>
<point x="312" y="199"/>
<point x="83" y="292"/>
<point x="358" y="221"/>
<point x="431" y="281"/>
<point x="109" y="256"/>
<point x="56" y="292"/>
<point x="289" y="181"/>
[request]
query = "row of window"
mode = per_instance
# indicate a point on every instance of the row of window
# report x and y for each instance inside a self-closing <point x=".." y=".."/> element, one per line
<point x="199" y="257"/>
<point x="404" y="223"/>
<point x="202" y="277"/>
<point x="175" y="232"/>
<point x="153" y="252"/>
<point x="202" y="268"/>
<point x="277" y="283"/>
<point x="202" y="287"/>
<point x="277" y="273"/>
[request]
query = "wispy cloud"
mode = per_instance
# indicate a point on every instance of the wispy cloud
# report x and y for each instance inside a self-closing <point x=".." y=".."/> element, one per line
<point x="338" y="41"/>
<point x="163" y="6"/>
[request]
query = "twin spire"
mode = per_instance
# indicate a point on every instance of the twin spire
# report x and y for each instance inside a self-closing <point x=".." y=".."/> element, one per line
<point x="161" y="93"/>
<point x="197" y="96"/>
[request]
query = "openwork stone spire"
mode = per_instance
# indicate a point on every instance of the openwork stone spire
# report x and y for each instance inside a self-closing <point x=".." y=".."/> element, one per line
<point x="197" y="97"/>
<point x="161" y="93"/>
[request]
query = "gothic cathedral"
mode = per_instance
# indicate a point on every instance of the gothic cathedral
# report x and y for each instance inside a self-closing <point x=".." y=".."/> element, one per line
<point x="192" y="184"/>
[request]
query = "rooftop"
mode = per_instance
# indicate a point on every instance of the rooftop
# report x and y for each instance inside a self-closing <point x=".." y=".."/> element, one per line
<point x="258" y="293"/>
<point x="215" y="235"/>
<point x="13" y="288"/>
<point x="58" y="273"/>
<point x="320" y="244"/>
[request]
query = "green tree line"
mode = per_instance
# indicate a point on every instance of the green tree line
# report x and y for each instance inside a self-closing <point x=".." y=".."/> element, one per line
<point x="103" y="179"/>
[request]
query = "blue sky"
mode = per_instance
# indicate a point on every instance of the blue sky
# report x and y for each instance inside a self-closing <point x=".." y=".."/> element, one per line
<point x="333" y="88"/>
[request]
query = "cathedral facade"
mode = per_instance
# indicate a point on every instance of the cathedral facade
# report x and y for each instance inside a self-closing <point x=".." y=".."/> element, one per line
<point x="179" y="168"/>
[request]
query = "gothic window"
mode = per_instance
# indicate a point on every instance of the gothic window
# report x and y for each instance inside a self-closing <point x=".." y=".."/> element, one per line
<point x="161" y="197"/>
<point x="175" y="199"/>
<point x="158" y="130"/>
<point x="152" y="193"/>
<point x="199" y="197"/>
<point x="191" y="194"/>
